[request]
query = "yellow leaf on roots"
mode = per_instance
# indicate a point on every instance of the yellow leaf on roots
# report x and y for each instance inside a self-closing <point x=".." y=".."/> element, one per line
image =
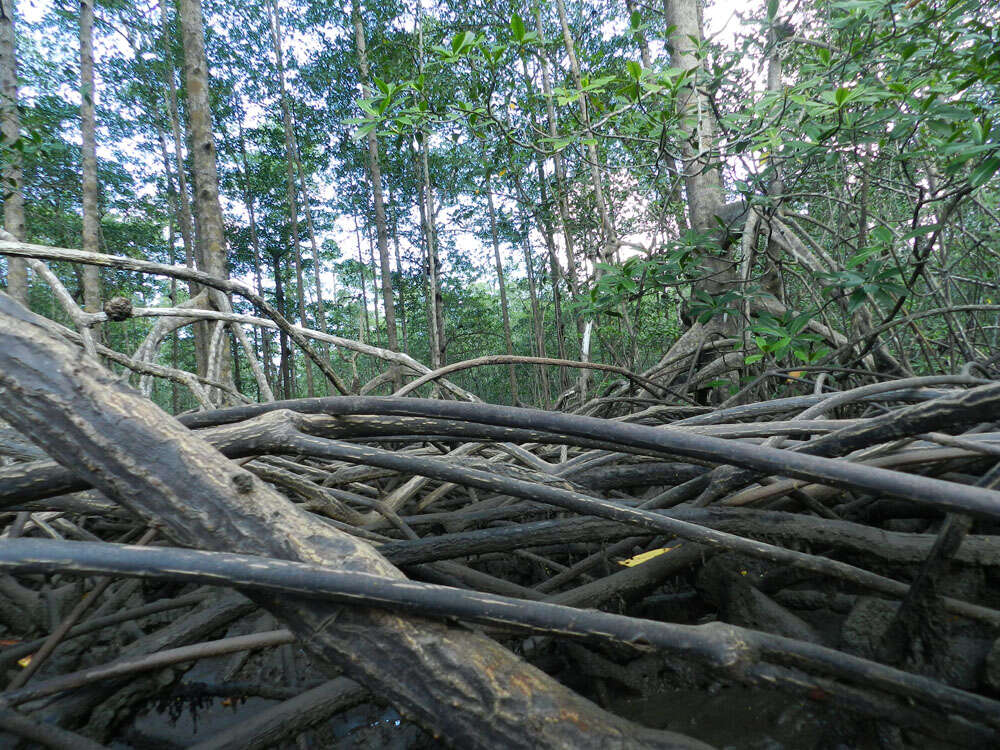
<point x="644" y="557"/>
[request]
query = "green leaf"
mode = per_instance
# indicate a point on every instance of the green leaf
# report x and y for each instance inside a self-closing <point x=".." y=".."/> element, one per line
<point x="634" y="69"/>
<point x="856" y="300"/>
<point x="920" y="231"/>
<point x="841" y="95"/>
<point x="883" y="235"/>
<point x="984" y="171"/>
<point x="862" y="256"/>
<point x="517" y="27"/>
<point x="462" y="41"/>
<point x="635" y="20"/>
<point x="363" y="131"/>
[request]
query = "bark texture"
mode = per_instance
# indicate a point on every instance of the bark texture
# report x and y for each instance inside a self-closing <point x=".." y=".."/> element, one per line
<point x="88" y="130"/>
<point x="13" y="176"/>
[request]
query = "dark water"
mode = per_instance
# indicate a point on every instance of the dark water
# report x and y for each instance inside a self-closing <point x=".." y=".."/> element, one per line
<point x="730" y="719"/>
<point x="736" y="718"/>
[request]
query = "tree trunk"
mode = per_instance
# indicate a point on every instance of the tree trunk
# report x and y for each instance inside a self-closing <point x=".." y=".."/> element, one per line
<point x="375" y="173"/>
<point x="560" y="171"/>
<point x="192" y="255"/>
<point x="314" y="244"/>
<point x="434" y="301"/>
<point x="186" y="222"/>
<point x="555" y="270"/>
<point x="435" y="320"/>
<point x="640" y="38"/>
<point x="211" y="227"/>
<point x="88" y="130"/>
<point x="293" y="209"/>
<point x="701" y="172"/>
<point x="171" y="240"/>
<point x="13" y="176"/>
<point x="608" y="238"/>
<point x="175" y="353"/>
<point x="584" y="327"/>
<point x="250" y="203"/>
<point x="425" y="263"/>
<point x="504" y="309"/>
<point x="702" y="182"/>
<point x="371" y="257"/>
<point x="364" y="330"/>
<point x="537" y="319"/>
<point x="402" y="281"/>
<point x="542" y="217"/>
<point x="255" y="246"/>
<point x="286" y="363"/>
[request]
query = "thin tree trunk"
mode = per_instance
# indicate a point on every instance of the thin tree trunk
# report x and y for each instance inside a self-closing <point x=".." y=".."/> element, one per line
<point x="607" y="229"/>
<point x="314" y="244"/>
<point x="365" y="329"/>
<point x="399" y="270"/>
<point x="13" y="175"/>
<point x="286" y="363"/>
<point x="641" y="38"/>
<point x="293" y="209"/>
<point x="206" y="177"/>
<point x="436" y="317"/>
<point x="584" y="327"/>
<point x="175" y="354"/>
<point x="542" y="216"/>
<point x="555" y="271"/>
<point x="237" y="376"/>
<point x="504" y="310"/>
<point x="433" y="260"/>
<point x="609" y="240"/>
<point x="371" y="257"/>
<point x="255" y="246"/>
<point x="375" y="172"/>
<point x="192" y="254"/>
<point x="537" y="320"/>
<point x="673" y="195"/>
<point x="430" y="286"/>
<point x="171" y="240"/>
<point x="186" y="222"/>
<point x="88" y="128"/>
<point x="425" y="263"/>
<point x="560" y="169"/>
<point x="259" y="345"/>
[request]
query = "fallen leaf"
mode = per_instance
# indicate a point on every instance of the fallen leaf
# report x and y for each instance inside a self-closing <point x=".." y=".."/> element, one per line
<point x="644" y="557"/>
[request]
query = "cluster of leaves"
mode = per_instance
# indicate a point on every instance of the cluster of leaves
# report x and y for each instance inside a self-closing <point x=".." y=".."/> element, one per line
<point x="779" y="337"/>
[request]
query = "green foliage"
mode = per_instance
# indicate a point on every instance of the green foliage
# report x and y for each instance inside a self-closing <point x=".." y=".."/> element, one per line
<point x="776" y="338"/>
<point x="882" y="135"/>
